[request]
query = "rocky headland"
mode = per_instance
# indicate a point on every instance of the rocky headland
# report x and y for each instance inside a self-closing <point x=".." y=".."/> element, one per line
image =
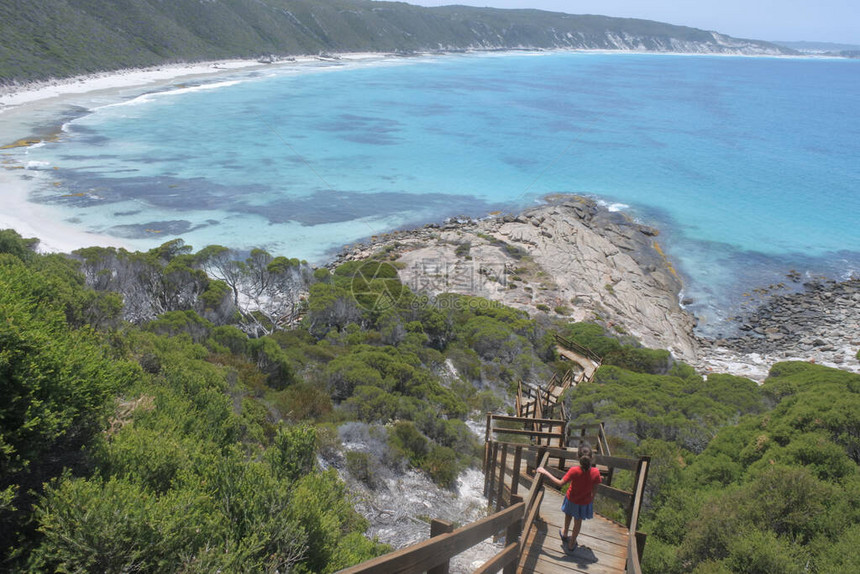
<point x="570" y="258"/>
<point x="573" y="258"/>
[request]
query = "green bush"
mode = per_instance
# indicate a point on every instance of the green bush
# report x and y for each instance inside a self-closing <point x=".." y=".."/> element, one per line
<point x="116" y="525"/>
<point x="640" y="360"/>
<point x="408" y="442"/>
<point x="361" y="467"/>
<point x="442" y="464"/>
<point x="293" y="452"/>
<point x="591" y="336"/>
<point x="272" y="361"/>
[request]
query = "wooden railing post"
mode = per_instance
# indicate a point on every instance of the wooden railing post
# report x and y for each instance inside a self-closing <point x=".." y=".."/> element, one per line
<point x="641" y="468"/>
<point x="486" y="466"/>
<point x="491" y="473"/>
<point x="640" y="543"/>
<point x="438" y="527"/>
<point x="504" y="462"/>
<point x="512" y="534"/>
<point x="561" y="443"/>
<point x="515" y="476"/>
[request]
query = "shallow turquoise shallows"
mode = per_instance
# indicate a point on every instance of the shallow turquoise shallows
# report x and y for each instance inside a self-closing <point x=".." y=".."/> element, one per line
<point x="750" y="166"/>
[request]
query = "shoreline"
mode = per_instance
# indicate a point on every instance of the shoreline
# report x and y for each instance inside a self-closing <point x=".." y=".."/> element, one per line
<point x="16" y="94"/>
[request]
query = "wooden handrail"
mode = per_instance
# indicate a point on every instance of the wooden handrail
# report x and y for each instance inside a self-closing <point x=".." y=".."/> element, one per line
<point x="585" y="425"/>
<point x="533" y="505"/>
<point x="599" y="459"/>
<point x="435" y="551"/>
<point x="574" y="346"/>
<point x="510" y="418"/>
<point x="634" y="552"/>
<point x="535" y="433"/>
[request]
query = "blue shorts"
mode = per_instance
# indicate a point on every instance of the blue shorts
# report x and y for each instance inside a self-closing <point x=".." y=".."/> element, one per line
<point x="579" y="511"/>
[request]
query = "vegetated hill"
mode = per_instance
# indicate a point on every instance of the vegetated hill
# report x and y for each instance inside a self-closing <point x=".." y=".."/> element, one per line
<point x="59" y="38"/>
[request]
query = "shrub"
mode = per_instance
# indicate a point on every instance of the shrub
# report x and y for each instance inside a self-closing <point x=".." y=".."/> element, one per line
<point x="462" y="250"/>
<point x="591" y="336"/>
<point x="442" y="466"/>
<point x="640" y="360"/>
<point x="272" y="361"/>
<point x="293" y="453"/>
<point x="305" y="401"/>
<point x="406" y="440"/>
<point x="361" y="466"/>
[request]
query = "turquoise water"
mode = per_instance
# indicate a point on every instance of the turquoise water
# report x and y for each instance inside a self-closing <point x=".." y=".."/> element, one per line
<point x="750" y="166"/>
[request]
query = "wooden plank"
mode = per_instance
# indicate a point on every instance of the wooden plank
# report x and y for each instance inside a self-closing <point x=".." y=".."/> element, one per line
<point x="546" y="556"/>
<point x="554" y="550"/>
<point x="598" y="527"/>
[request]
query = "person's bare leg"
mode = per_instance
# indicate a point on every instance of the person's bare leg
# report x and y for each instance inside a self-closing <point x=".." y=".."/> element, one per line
<point x="577" y="525"/>
<point x="566" y="524"/>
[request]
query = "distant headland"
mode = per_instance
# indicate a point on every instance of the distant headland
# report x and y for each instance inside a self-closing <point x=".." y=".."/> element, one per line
<point x="45" y="39"/>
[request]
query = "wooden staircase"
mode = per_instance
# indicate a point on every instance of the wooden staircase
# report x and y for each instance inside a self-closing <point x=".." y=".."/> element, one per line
<point x="537" y="402"/>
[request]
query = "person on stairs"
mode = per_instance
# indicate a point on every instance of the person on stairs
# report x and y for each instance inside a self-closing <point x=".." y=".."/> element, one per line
<point x="579" y="501"/>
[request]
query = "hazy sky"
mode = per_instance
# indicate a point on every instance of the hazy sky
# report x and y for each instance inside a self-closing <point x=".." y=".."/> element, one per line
<point x="811" y="20"/>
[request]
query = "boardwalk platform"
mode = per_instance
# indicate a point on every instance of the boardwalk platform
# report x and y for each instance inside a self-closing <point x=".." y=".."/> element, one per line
<point x="602" y="544"/>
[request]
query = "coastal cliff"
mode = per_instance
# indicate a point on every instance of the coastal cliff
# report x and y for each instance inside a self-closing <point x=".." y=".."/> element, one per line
<point x="42" y="39"/>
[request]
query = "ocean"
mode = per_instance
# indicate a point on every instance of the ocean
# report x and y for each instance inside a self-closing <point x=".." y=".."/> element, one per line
<point x="750" y="167"/>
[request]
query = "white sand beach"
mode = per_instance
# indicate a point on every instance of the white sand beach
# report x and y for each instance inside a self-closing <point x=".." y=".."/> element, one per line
<point x="13" y="96"/>
<point x="24" y="106"/>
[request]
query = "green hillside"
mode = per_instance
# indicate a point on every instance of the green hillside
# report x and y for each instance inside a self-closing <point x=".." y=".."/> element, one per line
<point x="143" y="430"/>
<point x="40" y="39"/>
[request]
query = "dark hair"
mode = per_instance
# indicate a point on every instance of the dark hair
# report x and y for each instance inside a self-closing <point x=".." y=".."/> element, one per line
<point x="585" y="456"/>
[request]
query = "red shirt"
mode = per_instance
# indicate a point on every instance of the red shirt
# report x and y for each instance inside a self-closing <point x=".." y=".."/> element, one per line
<point x="581" y="484"/>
